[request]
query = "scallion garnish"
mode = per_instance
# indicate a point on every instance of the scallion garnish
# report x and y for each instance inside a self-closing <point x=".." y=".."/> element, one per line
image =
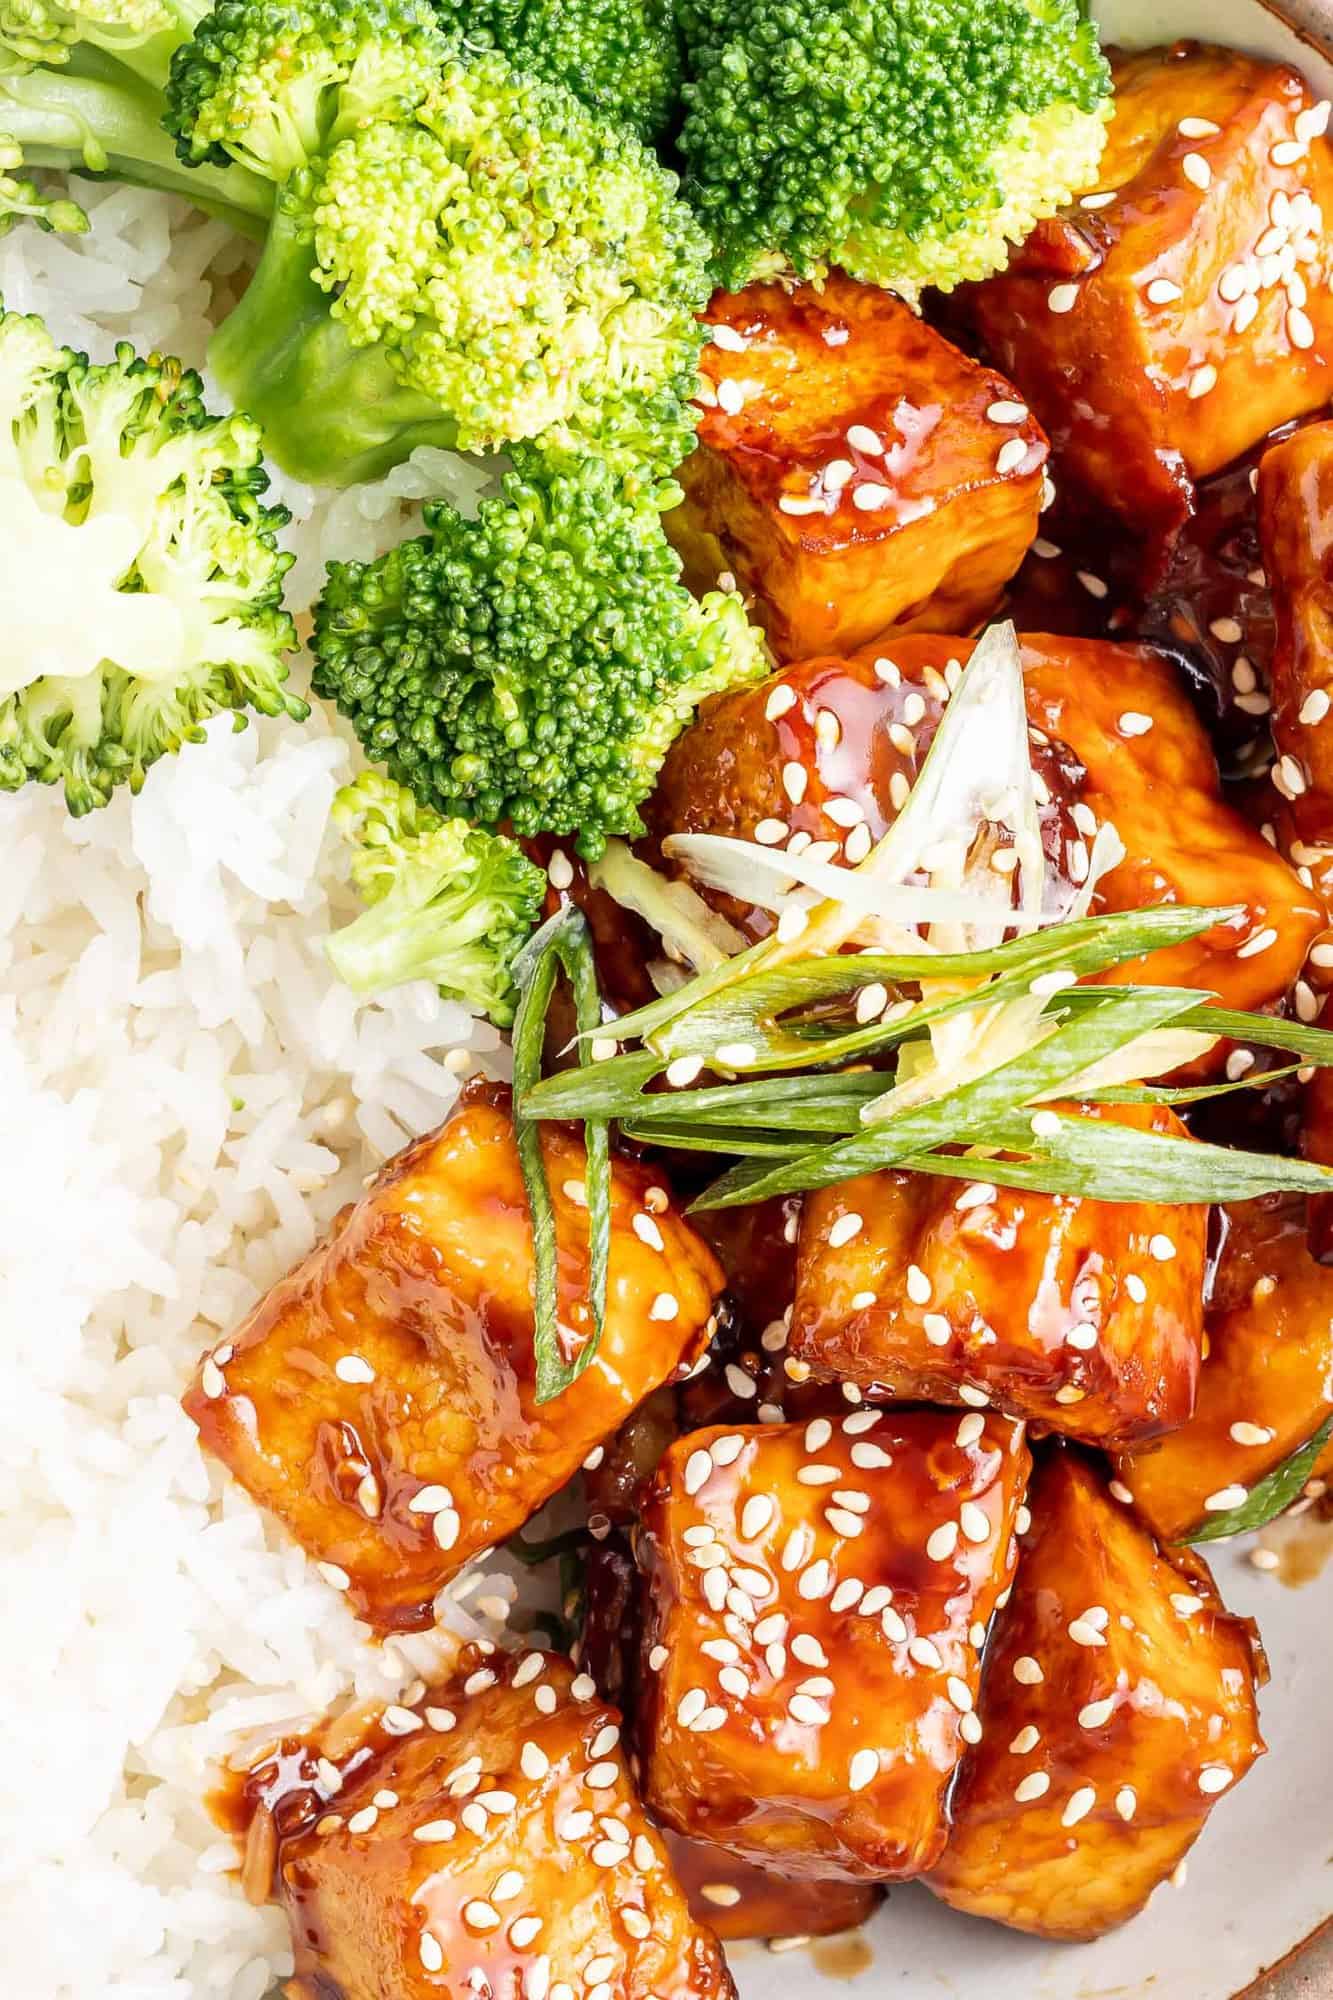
<point x="562" y="942"/>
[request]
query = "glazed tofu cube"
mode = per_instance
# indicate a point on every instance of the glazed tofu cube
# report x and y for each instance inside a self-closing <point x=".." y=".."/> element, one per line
<point x="1086" y="1316"/>
<point x="855" y="472"/>
<point x="498" y="1846"/>
<point x="1117" y="1705"/>
<point x="738" y="1900"/>
<point x="1296" y="529"/>
<point x="829" y="748"/>
<point x="1266" y="1386"/>
<point x="381" y="1400"/>
<point x="815" y="1599"/>
<point x="1149" y="770"/>
<point x="1181" y="311"/>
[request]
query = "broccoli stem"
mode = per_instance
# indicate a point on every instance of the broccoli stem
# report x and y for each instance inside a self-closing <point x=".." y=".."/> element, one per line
<point x="332" y="414"/>
<point x="93" y="117"/>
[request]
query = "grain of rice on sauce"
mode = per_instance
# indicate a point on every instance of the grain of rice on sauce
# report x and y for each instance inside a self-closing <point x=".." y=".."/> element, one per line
<point x="186" y="1098"/>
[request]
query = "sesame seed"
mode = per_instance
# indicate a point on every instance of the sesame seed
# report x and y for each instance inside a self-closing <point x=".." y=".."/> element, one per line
<point x="1136" y="1288"/>
<point x="523" y="1930"/>
<point x="1080" y="1805"/>
<point x="867" y="1457"/>
<point x="843" y="1230"/>
<point x="1161" y="1248"/>
<point x="1196" y="170"/>
<point x="582" y="1688"/>
<point x="870" y="496"/>
<point x="817" y="1475"/>
<point x="861" y="438"/>
<point x="815" y="1582"/>
<point x="1198" y="128"/>
<point x="559" y="870"/>
<point x="698" y="1470"/>
<point x="480" y="1915"/>
<point x="977" y="1398"/>
<point x="446" y="1527"/>
<point x="333" y="1574"/>
<point x="683" y="1070"/>
<point x="843" y="1523"/>
<point x="959" y="1693"/>
<point x="1162" y="292"/>
<point x="974" y="1521"/>
<point x="430" y="1951"/>
<point x="1214" y="1778"/>
<point x="837" y="473"/>
<point x="361" y="1822"/>
<point x="1259" y="942"/>
<point x="1027" y="1672"/>
<point x="212" y="1380"/>
<point x="1062" y="298"/>
<point x="849" y="1592"/>
<point x="1034" y="1786"/>
<point x="1027" y="1739"/>
<point x="544" y="1698"/>
<point x="1286" y="152"/>
<point x="942" y="1543"/>
<point x="969" y="1727"/>
<point x="601" y="1777"/>
<point x="970" y="1429"/>
<point x="925" y="1653"/>
<point x="863" y="1770"/>
<point x="919" y="1287"/>
<point x="1300" y="327"/>
<point x="796" y="503"/>
<point x="664" y="1307"/>
<point x="756" y="1515"/>
<point x="1004" y="412"/>
<point x="1010" y="455"/>
<point x="1246" y="311"/>
<point x="722" y="1893"/>
<point x="805" y="1709"/>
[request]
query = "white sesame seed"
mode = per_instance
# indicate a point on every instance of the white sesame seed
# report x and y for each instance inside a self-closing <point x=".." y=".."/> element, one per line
<point x="333" y="1574"/>
<point x="1136" y="1288"/>
<point x="926" y="1654"/>
<point x="942" y="1543"/>
<point x="1259" y="942"/>
<point x="1080" y="1805"/>
<point x="1004" y="412"/>
<point x="870" y="496"/>
<point x="1062" y="298"/>
<point x="1034" y="1786"/>
<point x="726" y="1450"/>
<point x="1246" y="311"/>
<point x="698" y="1470"/>
<point x="361" y="1822"/>
<point x="1223" y="1501"/>
<point x="1300" y="327"/>
<point x="1286" y="152"/>
<point x="756" y="1515"/>
<point x="974" y="1521"/>
<point x="805" y="1709"/>
<point x="977" y="1398"/>
<point x="1027" y="1739"/>
<point x="722" y="1893"/>
<point x="1198" y="128"/>
<point x="837" y="473"/>
<point x="959" y="1693"/>
<point x="1214" y="1778"/>
<point x="212" y="1380"/>
<point x="849" y="1592"/>
<point x="919" y="1287"/>
<point x="863" y="1770"/>
<point x="867" y="1457"/>
<point x="1196" y="170"/>
<point x="1162" y="292"/>
<point x="683" y="1070"/>
<point x="843" y="1523"/>
<point x="815" y="1582"/>
<point x="1010" y="455"/>
<point x="861" y="438"/>
<point x="430" y="1951"/>
<point x="446" y="1527"/>
<point x="970" y="1430"/>
<point x="1027" y="1672"/>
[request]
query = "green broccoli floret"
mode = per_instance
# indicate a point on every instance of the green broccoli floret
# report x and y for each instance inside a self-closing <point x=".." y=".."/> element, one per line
<point x="21" y="200"/>
<point x="139" y="568"/>
<point x="530" y="667"/>
<point x="461" y="254"/>
<point x="81" y="90"/>
<point x="620" y="56"/>
<point x="910" y="141"/>
<point x="445" y="901"/>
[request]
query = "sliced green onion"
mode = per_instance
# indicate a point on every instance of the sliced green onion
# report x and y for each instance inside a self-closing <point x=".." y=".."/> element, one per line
<point x="962" y="1115"/>
<point x="1271" y="1497"/>
<point x="563" y="940"/>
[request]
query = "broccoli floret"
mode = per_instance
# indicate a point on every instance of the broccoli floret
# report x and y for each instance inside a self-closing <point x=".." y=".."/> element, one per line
<point x="461" y="254"/>
<point x="81" y="90"/>
<point x="910" y="141"/>
<point x="530" y="667"/>
<point x="445" y="901"/>
<point x="21" y="200"/>
<point x="139" y="568"/>
<point x="620" y="56"/>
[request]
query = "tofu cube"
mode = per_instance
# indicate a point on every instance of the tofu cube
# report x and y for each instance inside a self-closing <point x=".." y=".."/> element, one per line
<point x="497" y="1846"/>
<point x="1267" y="1382"/>
<point x="1086" y="1316"/>
<point x="1181" y="310"/>
<point x="816" y="1597"/>
<point x="1296" y="535"/>
<point x="381" y="1399"/>
<point x="829" y="748"/>
<point x="1117" y="1705"/>
<point x="740" y="1901"/>
<point x="855" y="473"/>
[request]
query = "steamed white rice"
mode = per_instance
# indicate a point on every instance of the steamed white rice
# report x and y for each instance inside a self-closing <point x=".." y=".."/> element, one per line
<point x="186" y="1097"/>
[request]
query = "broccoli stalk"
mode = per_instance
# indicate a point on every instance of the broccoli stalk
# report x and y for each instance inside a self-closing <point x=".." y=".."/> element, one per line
<point x="909" y="141"/>
<point x="81" y="90"/>
<point x="461" y="253"/>
<point x="533" y="666"/>
<point x="117" y="477"/>
<point x="445" y="901"/>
